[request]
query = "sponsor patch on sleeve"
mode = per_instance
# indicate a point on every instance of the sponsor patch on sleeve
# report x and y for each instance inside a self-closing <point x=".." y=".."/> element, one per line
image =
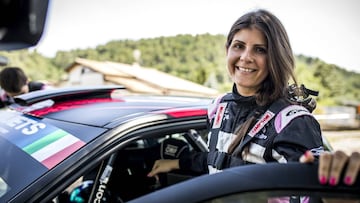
<point x="287" y="115"/>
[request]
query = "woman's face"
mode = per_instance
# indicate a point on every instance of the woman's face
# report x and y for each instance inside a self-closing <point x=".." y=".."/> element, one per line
<point x="246" y="60"/>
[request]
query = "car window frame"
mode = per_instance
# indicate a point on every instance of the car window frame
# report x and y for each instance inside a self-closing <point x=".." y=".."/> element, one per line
<point x="114" y="140"/>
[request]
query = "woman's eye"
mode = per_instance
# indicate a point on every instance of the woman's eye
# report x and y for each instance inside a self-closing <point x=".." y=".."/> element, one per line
<point x="260" y="50"/>
<point x="238" y="46"/>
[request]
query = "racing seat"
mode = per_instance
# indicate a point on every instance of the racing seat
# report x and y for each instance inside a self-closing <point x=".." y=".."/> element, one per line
<point x="173" y="148"/>
<point x="129" y="179"/>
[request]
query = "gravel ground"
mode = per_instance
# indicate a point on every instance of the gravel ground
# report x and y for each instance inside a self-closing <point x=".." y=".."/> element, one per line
<point x="347" y="141"/>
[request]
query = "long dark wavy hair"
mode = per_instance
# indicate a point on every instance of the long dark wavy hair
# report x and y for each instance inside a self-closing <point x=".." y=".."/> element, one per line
<point x="280" y="62"/>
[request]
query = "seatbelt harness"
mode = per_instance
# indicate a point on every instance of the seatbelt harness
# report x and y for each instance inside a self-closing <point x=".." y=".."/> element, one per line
<point x="221" y="160"/>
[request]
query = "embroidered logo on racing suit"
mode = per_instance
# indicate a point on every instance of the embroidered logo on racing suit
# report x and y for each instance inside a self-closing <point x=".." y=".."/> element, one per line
<point x="288" y="114"/>
<point x="219" y="115"/>
<point x="265" y="118"/>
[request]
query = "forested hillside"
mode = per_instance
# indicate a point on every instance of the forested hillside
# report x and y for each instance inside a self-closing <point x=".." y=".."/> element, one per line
<point x="35" y="65"/>
<point x="199" y="58"/>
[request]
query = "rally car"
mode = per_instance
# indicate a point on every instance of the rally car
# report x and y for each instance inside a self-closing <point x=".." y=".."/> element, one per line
<point x="51" y="138"/>
<point x="97" y="144"/>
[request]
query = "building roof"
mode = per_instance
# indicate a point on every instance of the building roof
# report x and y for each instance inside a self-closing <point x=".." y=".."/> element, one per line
<point x="139" y="79"/>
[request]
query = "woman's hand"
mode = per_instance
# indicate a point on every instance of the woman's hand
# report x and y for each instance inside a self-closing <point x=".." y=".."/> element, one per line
<point x="332" y="165"/>
<point x="163" y="166"/>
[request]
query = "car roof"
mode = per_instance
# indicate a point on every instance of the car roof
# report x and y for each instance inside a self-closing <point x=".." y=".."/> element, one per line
<point x="105" y="106"/>
<point x="85" y="115"/>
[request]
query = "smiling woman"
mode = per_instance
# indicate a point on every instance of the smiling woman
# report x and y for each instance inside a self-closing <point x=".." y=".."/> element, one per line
<point x="259" y="121"/>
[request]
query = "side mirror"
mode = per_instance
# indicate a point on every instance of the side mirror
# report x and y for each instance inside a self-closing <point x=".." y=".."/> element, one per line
<point x="22" y="23"/>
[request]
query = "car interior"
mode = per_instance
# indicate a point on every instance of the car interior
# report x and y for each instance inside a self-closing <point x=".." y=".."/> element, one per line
<point x="131" y="164"/>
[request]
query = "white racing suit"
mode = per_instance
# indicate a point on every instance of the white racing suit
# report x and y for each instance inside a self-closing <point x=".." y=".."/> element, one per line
<point x="282" y="134"/>
<point x="284" y="138"/>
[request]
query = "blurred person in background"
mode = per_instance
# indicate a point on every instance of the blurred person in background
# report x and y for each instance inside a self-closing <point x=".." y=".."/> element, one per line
<point x="14" y="82"/>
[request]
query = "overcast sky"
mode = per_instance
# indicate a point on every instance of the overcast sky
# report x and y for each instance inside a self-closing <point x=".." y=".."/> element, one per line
<point x="327" y="29"/>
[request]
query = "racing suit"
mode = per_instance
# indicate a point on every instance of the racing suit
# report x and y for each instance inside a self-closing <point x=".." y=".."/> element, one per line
<point x="283" y="138"/>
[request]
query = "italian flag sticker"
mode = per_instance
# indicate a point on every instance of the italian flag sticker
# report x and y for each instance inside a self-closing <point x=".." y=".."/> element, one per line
<point x="46" y="143"/>
<point x="53" y="148"/>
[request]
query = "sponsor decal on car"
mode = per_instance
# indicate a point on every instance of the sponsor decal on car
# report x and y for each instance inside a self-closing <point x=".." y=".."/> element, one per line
<point x="44" y="142"/>
<point x="4" y="187"/>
